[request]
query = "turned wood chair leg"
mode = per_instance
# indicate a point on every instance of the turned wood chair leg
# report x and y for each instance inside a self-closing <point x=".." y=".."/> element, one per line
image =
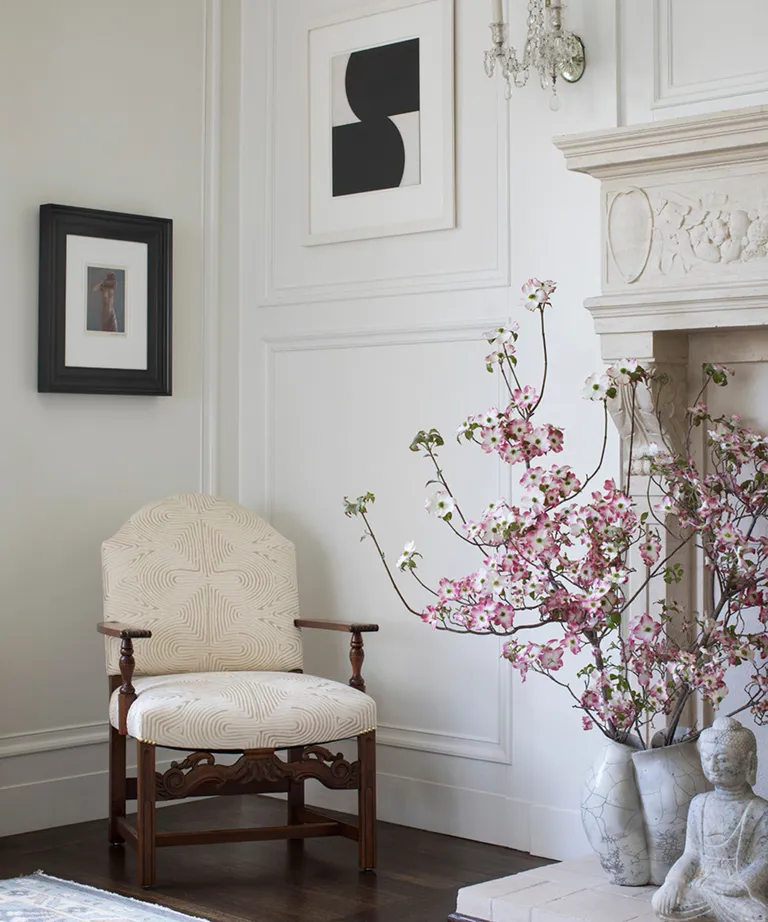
<point x="295" y="803"/>
<point x="146" y="788"/>
<point x="117" y="784"/>
<point x="295" y="792"/>
<point x="366" y="748"/>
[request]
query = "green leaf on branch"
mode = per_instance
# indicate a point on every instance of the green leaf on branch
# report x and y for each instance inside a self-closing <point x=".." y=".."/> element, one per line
<point x="716" y="374"/>
<point x="427" y="440"/>
<point x="358" y="506"/>
<point x="673" y="574"/>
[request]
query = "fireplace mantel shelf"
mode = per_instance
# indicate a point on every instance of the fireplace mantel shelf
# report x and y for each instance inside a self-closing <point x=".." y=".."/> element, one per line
<point x="735" y="136"/>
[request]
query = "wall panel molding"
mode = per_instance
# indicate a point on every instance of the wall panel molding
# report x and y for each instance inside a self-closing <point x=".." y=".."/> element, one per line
<point x="22" y="744"/>
<point x="397" y="736"/>
<point x="667" y="93"/>
<point x="465" y="747"/>
<point x="212" y="104"/>
<point x="274" y="345"/>
<point x="459" y="745"/>
<point x="495" y="276"/>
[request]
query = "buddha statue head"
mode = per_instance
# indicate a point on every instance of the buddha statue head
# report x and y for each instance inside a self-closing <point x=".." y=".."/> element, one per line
<point x="729" y="754"/>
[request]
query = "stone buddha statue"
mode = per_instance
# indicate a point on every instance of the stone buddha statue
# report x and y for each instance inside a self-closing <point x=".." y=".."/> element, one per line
<point x="723" y="873"/>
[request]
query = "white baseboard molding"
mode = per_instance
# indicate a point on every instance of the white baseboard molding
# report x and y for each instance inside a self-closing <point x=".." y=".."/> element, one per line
<point x="453" y="811"/>
<point x="546" y="832"/>
<point x="59" y="777"/>
<point x="557" y="833"/>
<point x="50" y="802"/>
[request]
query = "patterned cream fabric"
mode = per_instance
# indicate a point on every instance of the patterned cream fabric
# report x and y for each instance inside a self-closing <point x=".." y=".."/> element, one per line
<point x="213" y="582"/>
<point x="245" y="710"/>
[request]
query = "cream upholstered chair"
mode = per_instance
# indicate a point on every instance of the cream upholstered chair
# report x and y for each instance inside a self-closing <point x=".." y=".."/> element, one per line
<point x="209" y="591"/>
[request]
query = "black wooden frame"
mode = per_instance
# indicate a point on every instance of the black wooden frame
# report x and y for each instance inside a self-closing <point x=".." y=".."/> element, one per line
<point x="56" y="222"/>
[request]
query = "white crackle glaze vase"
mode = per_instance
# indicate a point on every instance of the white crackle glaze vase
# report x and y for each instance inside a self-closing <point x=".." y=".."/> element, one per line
<point x="668" y="779"/>
<point x="612" y="815"/>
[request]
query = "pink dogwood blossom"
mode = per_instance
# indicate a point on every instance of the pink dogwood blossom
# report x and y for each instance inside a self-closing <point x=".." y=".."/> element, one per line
<point x="557" y="558"/>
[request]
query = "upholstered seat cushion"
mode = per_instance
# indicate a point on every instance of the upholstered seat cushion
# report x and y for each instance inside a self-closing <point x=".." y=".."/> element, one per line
<point x="244" y="710"/>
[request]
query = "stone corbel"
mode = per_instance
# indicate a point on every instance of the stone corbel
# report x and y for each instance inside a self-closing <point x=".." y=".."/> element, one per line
<point x="660" y="419"/>
<point x="659" y="406"/>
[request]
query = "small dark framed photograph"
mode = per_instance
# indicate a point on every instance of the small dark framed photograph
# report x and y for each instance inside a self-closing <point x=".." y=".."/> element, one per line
<point x="105" y="302"/>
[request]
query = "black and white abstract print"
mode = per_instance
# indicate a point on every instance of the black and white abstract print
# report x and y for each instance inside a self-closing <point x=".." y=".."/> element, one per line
<point x="376" y="118"/>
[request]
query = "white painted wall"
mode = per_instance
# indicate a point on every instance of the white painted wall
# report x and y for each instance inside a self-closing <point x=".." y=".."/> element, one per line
<point x="101" y="105"/>
<point x="330" y="359"/>
<point x="347" y="350"/>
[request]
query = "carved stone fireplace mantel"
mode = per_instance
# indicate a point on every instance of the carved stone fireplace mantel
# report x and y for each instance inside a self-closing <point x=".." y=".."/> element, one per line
<point x="684" y="245"/>
<point x="685" y="224"/>
<point x="684" y="242"/>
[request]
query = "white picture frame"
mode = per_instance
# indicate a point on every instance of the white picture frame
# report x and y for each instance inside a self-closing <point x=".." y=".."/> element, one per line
<point x="426" y="204"/>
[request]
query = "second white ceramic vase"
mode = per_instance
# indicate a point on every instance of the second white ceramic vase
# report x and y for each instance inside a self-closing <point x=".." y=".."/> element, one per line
<point x="668" y="779"/>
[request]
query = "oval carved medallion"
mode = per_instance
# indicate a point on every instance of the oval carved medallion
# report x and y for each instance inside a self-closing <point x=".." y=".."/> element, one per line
<point x="630" y="233"/>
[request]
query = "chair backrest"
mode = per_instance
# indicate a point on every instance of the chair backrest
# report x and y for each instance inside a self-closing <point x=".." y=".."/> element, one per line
<point x="214" y="583"/>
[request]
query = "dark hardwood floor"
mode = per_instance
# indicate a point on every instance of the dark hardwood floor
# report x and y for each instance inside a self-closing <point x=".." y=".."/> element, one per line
<point x="417" y="880"/>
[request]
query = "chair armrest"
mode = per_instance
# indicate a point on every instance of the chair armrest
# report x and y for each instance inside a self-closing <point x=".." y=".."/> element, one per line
<point x="356" y="651"/>
<point x="126" y="634"/>
<point x="350" y="627"/>
<point x="123" y="631"/>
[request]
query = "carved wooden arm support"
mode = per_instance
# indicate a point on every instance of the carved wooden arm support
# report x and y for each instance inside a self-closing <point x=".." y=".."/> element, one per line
<point x="127" y="634"/>
<point x="356" y="651"/>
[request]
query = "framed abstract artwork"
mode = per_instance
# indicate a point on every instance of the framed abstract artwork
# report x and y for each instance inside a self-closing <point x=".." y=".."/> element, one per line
<point x="381" y="122"/>
<point x="104" y="302"/>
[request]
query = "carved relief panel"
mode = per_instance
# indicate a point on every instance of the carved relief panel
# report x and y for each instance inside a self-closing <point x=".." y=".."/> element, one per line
<point x="686" y="233"/>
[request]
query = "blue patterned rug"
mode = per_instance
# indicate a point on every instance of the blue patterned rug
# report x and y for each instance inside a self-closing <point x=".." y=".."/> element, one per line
<point x="40" y="898"/>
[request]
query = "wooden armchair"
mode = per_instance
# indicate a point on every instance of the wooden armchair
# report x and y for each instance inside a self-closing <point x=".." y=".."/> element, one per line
<point x="209" y="591"/>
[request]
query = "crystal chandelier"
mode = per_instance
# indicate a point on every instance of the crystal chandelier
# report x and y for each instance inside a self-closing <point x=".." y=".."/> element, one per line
<point x="549" y="48"/>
